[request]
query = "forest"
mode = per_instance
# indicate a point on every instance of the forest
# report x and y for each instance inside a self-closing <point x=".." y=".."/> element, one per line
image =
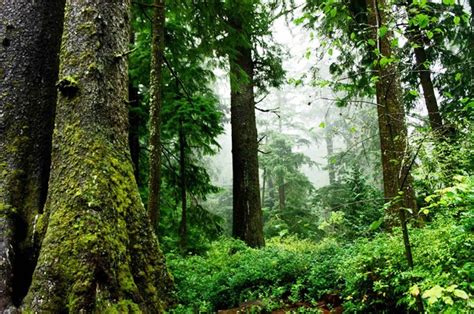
<point x="236" y="156"/>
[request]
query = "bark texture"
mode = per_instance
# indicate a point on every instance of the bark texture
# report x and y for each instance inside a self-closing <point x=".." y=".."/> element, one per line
<point x="391" y="119"/>
<point x="156" y="101"/>
<point x="247" y="212"/>
<point x="30" y="34"/>
<point x="99" y="251"/>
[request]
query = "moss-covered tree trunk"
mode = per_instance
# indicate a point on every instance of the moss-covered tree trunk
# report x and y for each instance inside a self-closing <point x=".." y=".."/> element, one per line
<point x="247" y="212"/>
<point x="99" y="250"/>
<point x="30" y="34"/>
<point x="391" y="118"/>
<point x="156" y="101"/>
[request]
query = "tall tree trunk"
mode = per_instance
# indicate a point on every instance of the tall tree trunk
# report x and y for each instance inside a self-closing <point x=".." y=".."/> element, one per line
<point x="247" y="213"/>
<point x="134" y="130"/>
<point x="434" y="115"/>
<point x="391" y="119"/>
<point x="264" y="178"/>
<point x="183" y="230"/>
<point x="330" y="150"/>
<point x="396" y="163"/>
<point x="271" y="191"/>
<point x="424" y="73"/>
<point x="99" y="251"/>
<point x="281" y="194"/>
<point x="30" y="35"/>
<point x="156" y="101"/>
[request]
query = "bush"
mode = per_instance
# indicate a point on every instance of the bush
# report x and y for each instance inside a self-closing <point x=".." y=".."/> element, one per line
<point x="369" y="275"/>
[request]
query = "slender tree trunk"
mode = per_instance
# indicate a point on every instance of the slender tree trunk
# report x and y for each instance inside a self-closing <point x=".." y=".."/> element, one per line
<point x="330" y="150"/>
<point x="30" y="35"/>
<point x="271" y="191"/>
<point x="434" y="115"/>
<point x="99" y="251"/>
<point x="424" y="73"/>
<point x="156" y="101"/>
<point x="183" y="230"/>
<point x="281" y="194"/>
<point x="247" y="213"/>
<point x="134" y="130"/>
<point x="264" y="178"/>
<point x="392" y="124"/>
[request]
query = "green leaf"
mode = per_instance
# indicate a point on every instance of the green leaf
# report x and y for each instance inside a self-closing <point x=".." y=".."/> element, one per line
<point x="448" y="2"/>
<point x="461" y="294"/>
<point x="456" y="20"/>
<point x="458" y="76"/>
<point x="434" y="292"/>
<point x="371" y="42"/>
<point x="376" y="224"/>
<point x="384" y="61"/>
<point x="448" y="300"/>
<point x="322" y="125"/>
<point x="429" y="34"/>
<point x="394" y="43"/>
<point x="413" y="92"/>
<point x="382" y="31"/>
<point x="414" y="290"/>
<point x="422" y="20"/>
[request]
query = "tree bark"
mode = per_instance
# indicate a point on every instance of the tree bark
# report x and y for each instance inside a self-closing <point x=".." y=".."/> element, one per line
<point x="247" y="212"/>
<point x="30" y="35"/>
<point x="183" y="229"/>
<point x="99" y="251"/>
<point x="391" y="119"/>
<point x="156" y="101"/>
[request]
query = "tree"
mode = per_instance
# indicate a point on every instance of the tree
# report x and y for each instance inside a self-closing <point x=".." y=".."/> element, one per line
<point x="156" y="102"/>
<point x="99" y="250"/>
<point x="30" y="34"/>
<point x="391" y="114"/>
<point x="247" y="213"/>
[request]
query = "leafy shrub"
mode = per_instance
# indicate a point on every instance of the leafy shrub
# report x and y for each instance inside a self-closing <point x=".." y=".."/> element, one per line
<point x="370" y="275"/>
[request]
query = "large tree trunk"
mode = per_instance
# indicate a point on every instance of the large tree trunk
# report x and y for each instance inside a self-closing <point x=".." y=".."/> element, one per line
<point x="392" y="124"/>
<point x="247" y="212"/>
<point x="99" y="250"/>
<point x="156" y="101"/>
<point x="30" y="34"/>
